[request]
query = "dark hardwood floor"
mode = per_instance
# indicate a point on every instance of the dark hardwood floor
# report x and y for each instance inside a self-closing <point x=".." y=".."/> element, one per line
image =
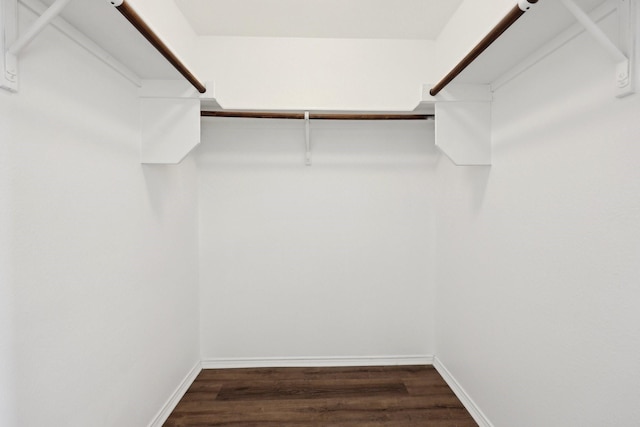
<point x="400" y="396"/>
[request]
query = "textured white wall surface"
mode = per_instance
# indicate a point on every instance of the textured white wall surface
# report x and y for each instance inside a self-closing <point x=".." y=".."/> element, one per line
<point x="7" y="357"/>
<point x="335" y="259"/>
<point x="102" y="250"/>
<point x="317" y="74"/>
<point x="539" y="255"/>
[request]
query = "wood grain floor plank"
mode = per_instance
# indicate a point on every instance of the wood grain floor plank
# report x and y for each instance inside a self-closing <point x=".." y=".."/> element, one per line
<point x="309" y="397"/>
<point x="310" y="389"/>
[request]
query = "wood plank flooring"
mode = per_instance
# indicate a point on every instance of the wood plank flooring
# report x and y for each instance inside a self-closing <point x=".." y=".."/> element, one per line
<point x="401" y="396"/>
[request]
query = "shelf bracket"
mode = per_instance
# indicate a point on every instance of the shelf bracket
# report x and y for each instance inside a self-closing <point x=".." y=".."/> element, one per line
<point x="13" y="45"/>
<point x="169" y="121"/>
<point x="307" y="140"/>
<point x="37" y="27"/>
<point x="621" y="55"/>
<point x="463" y="122"/>
<point x="8" y="35"/>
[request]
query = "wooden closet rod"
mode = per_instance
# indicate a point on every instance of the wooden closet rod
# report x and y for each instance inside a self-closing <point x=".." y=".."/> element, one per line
<point x="511" y="17"/>
<point x="315" y="116"/>
<point x="132" y="16"/>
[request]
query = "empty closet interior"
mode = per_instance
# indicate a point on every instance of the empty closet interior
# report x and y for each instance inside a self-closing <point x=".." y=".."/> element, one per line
<point x="191" y="184"/>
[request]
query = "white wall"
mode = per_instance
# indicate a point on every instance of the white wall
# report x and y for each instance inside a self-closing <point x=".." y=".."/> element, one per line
<point x="316" y="74"/>
<point x="332" y="260"/>
<point x="539" y="255"/>
<point x="102" y="250"/>
<point x="7" y="359"/>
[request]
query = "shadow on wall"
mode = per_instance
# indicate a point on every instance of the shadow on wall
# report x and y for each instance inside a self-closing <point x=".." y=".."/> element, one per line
<point x="566" y="97"/>
<point x="158" y="179"/>
<point x="549" y="118"/>
<point x="471" y="182"/>
<point x="477" y="180"/>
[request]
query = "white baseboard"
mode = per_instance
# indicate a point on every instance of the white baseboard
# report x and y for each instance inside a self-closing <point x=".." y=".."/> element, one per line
<point x="295" y="362"/>
<point x="466" y="400"/>
<point x="171" y="404"/>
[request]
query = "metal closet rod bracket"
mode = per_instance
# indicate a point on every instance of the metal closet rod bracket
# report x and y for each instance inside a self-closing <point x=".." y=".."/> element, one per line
<point x="622" y="55"/>
<point x="13" y="45"/>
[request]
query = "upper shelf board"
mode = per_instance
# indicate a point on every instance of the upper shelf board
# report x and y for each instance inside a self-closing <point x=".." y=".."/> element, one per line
<point x="103" y="24"/>
<point x="544" y="22"/>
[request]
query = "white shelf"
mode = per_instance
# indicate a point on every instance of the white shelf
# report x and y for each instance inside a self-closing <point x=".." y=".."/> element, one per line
<point x="535" y="29"/>
<point x="103" y="24"/>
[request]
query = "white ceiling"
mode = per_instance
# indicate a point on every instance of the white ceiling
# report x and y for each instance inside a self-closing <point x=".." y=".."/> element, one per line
<point x="369" y="19"/>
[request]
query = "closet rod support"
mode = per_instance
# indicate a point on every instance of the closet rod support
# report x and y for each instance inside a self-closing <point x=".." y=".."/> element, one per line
<point x="37" y="27"/>
<point x="37" y="7"/>
<point x="622" y="61"/>
<point x="586" y="21"/>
